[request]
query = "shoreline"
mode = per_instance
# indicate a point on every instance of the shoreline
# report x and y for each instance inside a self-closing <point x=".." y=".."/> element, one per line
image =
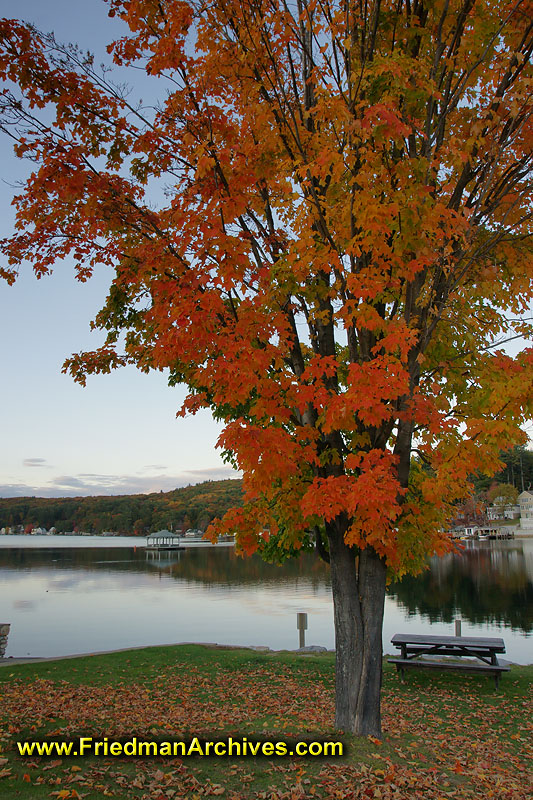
<point x="308" y="650"/>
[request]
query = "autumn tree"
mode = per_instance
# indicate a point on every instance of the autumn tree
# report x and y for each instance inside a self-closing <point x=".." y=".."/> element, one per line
<point x="323" y="231"/>
<point x="503" y="495"/>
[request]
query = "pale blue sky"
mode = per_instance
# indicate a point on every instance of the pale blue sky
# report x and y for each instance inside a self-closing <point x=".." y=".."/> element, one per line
<point x="119" y="434"/>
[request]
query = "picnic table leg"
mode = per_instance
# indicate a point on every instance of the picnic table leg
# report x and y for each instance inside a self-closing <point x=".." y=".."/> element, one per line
<point x="494" y="660"/>
<point x="400" y="671"/>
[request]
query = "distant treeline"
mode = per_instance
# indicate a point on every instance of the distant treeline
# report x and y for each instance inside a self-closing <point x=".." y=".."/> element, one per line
<point x="189" y="507"/>
<point x="517" y="471"/>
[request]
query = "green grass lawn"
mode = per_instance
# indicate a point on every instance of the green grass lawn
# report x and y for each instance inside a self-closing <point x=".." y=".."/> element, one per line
<point x="445" y="735"/>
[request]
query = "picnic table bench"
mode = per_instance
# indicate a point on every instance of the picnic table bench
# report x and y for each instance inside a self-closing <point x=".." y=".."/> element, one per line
<point x="412" y="646"/>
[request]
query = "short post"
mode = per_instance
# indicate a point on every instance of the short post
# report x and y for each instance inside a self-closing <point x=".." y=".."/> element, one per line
<point x="4" y="632"/>
<point x="301" y="624"/>
<point x="458" y="627"/>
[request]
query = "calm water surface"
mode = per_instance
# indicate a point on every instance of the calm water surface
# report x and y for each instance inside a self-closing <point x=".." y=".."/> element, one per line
<point x="72" y="594"/>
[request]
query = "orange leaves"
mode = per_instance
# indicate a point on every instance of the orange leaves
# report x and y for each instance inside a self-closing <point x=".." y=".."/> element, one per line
<point x="385" y="121"/>
<point x="448" y="739"/>
<point x="318" y="367"/>
<point x="397" y="338"/>
<point x="340" y="242"/>
<point x="370" y="393"/>
<point x="161" y="35"/>
<point x="370" y="498"/>
<point x="266" y="453"/>
<point x="327" y="497"/>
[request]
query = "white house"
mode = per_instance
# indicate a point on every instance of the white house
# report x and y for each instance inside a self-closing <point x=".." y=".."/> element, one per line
<point x="526" y="511"/>
<point x="500" y="511"/>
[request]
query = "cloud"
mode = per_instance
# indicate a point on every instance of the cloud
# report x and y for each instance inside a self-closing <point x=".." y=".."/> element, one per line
<point x="67" y="480"/>
<point x="85" y="484"/>
<point x="212" y="474"/>
<point x="19" y="490"/>
<point x="35" y="462"/>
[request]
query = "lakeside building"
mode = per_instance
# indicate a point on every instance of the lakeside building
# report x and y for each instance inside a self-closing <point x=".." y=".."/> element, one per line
<point x="501" y="511"/>
<point x="525" y="500"/>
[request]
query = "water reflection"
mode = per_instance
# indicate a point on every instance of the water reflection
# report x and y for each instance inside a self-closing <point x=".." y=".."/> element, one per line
<point x="208" y="566"/>
<point x="65" y="599"/>
<point x="488" y="583"/>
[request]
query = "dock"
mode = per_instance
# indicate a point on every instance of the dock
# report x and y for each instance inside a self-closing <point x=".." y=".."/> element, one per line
<point x="483" y="533"/>
<point x="163" y="541"/>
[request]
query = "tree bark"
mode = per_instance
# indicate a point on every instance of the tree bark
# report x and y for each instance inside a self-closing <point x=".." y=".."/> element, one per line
<point x="372" y="585"/>
<point x="358" y="597"/>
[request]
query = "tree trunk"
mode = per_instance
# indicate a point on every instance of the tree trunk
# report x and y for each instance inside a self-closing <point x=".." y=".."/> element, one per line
<point x="358" y="598"/>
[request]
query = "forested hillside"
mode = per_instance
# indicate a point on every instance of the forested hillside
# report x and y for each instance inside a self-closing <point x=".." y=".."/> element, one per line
<point x="517" y="471"/>
<point x="189" y="507"/>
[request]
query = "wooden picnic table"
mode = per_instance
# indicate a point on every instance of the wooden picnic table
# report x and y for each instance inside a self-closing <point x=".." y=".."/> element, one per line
<point x="484" y="650"/>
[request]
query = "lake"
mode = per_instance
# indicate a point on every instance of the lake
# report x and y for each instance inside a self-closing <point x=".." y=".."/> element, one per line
<point x="77" y="594"/>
